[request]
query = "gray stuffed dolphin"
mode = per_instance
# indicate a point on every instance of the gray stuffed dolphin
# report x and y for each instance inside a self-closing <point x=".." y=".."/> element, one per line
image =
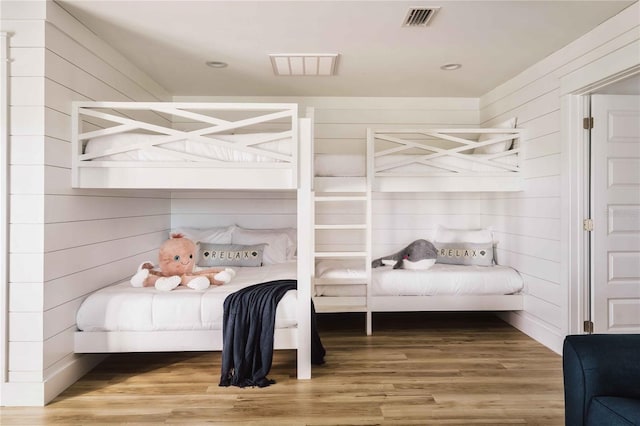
<point x="414" y="252"/>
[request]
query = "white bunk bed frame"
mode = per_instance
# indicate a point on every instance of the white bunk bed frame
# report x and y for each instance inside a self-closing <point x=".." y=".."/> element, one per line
<point x="188" y="171"/>
<point x="291" y="172"/>
<point x="503" y="176"/>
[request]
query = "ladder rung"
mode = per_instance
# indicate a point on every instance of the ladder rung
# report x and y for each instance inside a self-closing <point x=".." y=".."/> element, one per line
<point x="354" y="226"/>
<point x="340" y="281"/>
<point x="341" y="254"/>
<point x="321" y="198"/>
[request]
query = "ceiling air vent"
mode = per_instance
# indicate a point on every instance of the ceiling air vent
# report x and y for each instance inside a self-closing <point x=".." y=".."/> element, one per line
<point x="419" y="16"/>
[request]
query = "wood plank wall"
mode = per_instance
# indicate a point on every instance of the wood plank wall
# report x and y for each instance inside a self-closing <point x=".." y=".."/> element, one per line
<point x="528" y="224"/>
<point x="340" y="127"/>
<point x="64" y="243"/>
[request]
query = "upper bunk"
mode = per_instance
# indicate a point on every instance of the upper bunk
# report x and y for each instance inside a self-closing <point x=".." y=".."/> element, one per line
<point x="169" y="145"/>
<point x="444" y="160"/>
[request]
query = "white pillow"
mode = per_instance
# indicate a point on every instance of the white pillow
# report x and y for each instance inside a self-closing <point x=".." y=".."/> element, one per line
<point x="279" y="249"/>
<point x="475" y="236"/>
<point x="216" y="235"/>
<point x="499" y="146"/>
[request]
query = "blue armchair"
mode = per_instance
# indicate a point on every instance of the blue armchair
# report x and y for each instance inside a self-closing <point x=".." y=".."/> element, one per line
<point x="602" y="379"/>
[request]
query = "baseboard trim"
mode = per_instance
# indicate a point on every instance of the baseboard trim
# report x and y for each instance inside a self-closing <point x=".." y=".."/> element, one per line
<point x="535" y="329"/>
<point x="16" y="394"/>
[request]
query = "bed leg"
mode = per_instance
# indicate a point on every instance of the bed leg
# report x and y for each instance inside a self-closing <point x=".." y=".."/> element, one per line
<point x="369" y="326"/>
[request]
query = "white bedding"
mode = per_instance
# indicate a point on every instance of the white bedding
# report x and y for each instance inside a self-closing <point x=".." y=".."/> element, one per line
<point x="439" y="280"/>
<point x="124" y="308"/>
<point x="102" y="143"/>
<point x="327" y="165"/>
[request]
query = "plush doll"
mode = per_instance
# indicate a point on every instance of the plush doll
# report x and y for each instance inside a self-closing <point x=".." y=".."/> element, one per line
<point x="420" y="254"/>
<point x="176" y="261"/>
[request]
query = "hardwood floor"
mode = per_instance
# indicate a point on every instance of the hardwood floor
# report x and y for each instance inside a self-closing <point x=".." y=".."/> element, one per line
<point x="423" y="368"/>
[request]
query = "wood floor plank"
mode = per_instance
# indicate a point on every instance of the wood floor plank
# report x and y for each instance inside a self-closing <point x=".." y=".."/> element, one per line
<point x="417" y="369"/>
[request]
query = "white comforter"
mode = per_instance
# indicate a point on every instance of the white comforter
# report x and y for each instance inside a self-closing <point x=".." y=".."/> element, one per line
<point x="124" y="308"/>
<point x="441" y="279"/>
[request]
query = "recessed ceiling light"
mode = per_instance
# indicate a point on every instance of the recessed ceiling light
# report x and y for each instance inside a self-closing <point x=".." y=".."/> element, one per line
<point x="216" y="64"/>
<point x="451" y="67"/>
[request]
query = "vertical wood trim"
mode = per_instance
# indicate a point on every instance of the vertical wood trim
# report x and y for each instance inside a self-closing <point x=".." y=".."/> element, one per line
<point x="4" y="208"/>
<point x="369" y="173"/>
<point x="305" y="225"/>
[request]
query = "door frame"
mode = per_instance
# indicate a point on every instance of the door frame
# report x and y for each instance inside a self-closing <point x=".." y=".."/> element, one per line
<point x="575" y="89"/>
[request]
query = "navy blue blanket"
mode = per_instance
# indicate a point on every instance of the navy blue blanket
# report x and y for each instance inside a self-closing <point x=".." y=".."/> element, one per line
<point x="247" y="334"/>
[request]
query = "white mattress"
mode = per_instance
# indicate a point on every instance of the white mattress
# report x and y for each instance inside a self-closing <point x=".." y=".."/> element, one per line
<point x="439" y="280"/>
<point x="124" y="308"/>
<point x="102" y="143"/>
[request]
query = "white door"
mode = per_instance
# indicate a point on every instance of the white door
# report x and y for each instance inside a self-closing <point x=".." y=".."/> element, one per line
<point x="615" y="210"/>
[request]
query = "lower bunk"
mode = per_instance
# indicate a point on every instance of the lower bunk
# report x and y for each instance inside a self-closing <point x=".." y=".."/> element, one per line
<point x="442" y="287"/>
<point x="122" y="318"/>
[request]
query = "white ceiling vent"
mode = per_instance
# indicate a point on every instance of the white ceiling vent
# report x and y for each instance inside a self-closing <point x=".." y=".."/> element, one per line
<point x="304" y="64"/>
<point x="419" y="16"/>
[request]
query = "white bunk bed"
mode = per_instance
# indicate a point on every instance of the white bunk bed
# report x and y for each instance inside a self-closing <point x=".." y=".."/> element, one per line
<point x="220" y="145"/>
<point x="420" y="160"/>
<point x="142" y="145"/>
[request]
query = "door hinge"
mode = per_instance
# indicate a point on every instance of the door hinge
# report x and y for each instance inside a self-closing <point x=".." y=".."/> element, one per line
<point x="587" y="225"/>
<point x="588" y="327"/>
<point x="587" y="123"/>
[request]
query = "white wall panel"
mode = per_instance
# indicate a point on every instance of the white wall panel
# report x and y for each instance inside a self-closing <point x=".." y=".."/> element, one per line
<point x="27" y="120"/>
<point x="24" y="33"/>
<point x="66" y="243"/>
<point x="26" y="267"/>
<point x="26" y="208"/>
<point x="542" y="289"/>
<point x="528" y="245"/>
<point x="27" y="62"/>
<point x="529" y="223"/>
<point x="60" y="318"/>
<point x="26" y="237"/>
<point x="27" y="150"/>
<point x="57" y="347"/>
<point x="26" y="326"/>
<point x="34" y="149"/>
<point x="26" y="356"/>
<point x="64" y="235"/>
<point x="542" y="146"/>
<point x="27" y="90"/>
<point x="65" y="208"/>
<point x="60" y="263"/>
<point x="26" y="297"/>
<point x="542" y="310"/>
<point x="84" y="282"/>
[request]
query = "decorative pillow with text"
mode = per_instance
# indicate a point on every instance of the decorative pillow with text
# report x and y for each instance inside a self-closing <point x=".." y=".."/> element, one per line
<point x="480" y="254"/>
<point x="230" y="255"/>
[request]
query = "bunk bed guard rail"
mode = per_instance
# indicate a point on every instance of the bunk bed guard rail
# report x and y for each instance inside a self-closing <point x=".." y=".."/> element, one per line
<point x="454" y="160"/>
<point x="169" y="145"/>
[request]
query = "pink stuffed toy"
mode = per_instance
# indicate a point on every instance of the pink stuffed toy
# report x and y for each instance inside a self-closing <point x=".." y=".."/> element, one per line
<point x="176" y="261"/>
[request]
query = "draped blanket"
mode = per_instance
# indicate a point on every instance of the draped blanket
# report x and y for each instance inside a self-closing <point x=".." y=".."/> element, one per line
<point x="247" y="334"/>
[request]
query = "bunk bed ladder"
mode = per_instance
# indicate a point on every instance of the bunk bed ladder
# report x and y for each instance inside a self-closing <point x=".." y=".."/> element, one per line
<point x="345" y="202"/>
<point x="350" y="200"/>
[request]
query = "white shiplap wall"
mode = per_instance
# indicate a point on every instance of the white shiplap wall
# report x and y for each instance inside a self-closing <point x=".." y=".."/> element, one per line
<point x="528" y="224"/>
<point x="64" y="243"/>
<point x="340" y="127"/>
